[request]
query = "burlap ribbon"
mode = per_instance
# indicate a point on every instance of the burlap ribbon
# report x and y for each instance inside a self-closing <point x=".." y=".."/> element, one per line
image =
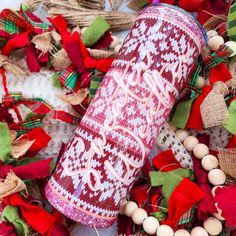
<point x="9" y="67"/>
<point x="213" y="108"/>
<point x="227" y="159"/>
<point x="74" y="98"/>
<point x="19" y="148"/>
<point x="43" y="42"/>
<point x="60" y="60"/>
<point x="12" y="184"/>
<point x="100" y="54"/>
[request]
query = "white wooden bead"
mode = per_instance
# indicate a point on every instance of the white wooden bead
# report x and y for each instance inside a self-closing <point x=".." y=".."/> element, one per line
<point x="181" y="134"/>
<point x="150" y="225"/>
<point x="201" y="82"/>
<point x="83" y="30"/>
<point x="198" y="231"/>
<point x="139" y="215"/>
<point x="115" y="42"/>
<point x="232" y="46"/>
<point x="211" y="33"/>
<point x="200" y="150"/>
<point x="165" y="230"/>
<point x="117" y="48"/>
<point x="190" y="142"/>
<point x="182" y="232"/>
<point x="129" y="207"/>
<point x="210" y="162"/>
<point x="213" y="226"/>
<point x="216" y="177"/>
<point x="215" y="42"/>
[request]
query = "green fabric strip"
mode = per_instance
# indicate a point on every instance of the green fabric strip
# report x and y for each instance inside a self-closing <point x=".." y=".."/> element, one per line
<point x="10" y="214"/>
<point x="5" y="142"/>
<point x="95" y="31"/>
<point x="232" y="22"/>
<point x="230" y="124"/>
<point x="94" y="85"/>
<point x="168" y="180"/>
<point x="182" y="113"/>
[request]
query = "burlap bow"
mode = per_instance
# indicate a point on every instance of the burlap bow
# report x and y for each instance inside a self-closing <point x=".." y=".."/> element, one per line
<point x="43" y="42"/>
<point x="214" y="109"/>
<point x="75" y="98"/>
<point x="227" y="159"/>
<point x="12" y="184"/>
<point x="60" y="60"/>
<point x="9" y="67"/>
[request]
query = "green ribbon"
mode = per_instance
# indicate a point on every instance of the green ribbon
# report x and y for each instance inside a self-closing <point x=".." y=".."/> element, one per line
<point x="230" y="124"/>
<point x="169" y="181"/>
<point x="182" y="113"/>
<point x="10" y="214"/>
<point x="5" y="141"/>
<point x="95" y="31"/>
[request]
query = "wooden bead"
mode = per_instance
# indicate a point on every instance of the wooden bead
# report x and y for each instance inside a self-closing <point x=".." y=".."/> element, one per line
<point x="182" y="232"/>
<point x="117" y="48"/>
<point x="200" y="150"/>
<point x="129" y="207"/>
<point x="211" y="33"/>
<point x="115" y="42"/>
<point x="232" y="46"/>
<point x="213" y="226"/>
<point x="198" y="231"/>
<point x="139" y="215"/>
<point x="165" y="230"/>
<point x="210" y="162"/>
<point x="201" y="83"/>
<point x="216" y="177"/>
<point x="190" y="142"/>
<point x="181" y="134"/>
<point x="150" y="225"/>
<point x="215" y="42"/>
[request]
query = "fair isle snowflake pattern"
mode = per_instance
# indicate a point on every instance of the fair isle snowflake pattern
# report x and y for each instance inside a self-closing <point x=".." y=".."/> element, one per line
<point x="115" y="136"/>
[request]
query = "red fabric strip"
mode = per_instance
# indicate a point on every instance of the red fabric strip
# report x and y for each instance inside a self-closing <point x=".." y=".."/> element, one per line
<point x="165" y="161"/>
<point x="35" y="170"/>
<point x="44" y="221"/>
<point x="19" y="41"/>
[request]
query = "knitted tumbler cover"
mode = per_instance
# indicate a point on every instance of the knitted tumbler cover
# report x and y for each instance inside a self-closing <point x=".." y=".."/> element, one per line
<point x="115" y="136"/>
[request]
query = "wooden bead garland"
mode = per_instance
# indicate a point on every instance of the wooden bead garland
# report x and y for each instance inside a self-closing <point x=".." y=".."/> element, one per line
<point x="216" y="177"/>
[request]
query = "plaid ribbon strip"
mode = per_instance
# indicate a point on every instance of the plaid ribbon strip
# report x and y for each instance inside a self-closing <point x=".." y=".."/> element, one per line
<point x="232" y="23"/>
<point x="193" y="80"/>
<point x="65" y="117"/>
<point x="13" y="23"/>
<point x="69" y="77"/>
<point x="95" y="84"/>
<point x="36" y="105"/>
<point x="216" y="58"/>
<point x="40" y="26"/>
<point x="27" y="125"/>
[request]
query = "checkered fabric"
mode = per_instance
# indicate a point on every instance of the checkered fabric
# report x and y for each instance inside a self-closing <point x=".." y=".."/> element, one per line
<point x="65" y="117"/>
<point x="116" y="134"/>
<point x="69" y="77"/>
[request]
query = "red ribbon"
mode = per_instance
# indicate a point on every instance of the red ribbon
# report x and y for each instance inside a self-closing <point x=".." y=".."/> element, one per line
<point x="183" y="198"/>
<point x="38" y="218"/>
<point x="165" y="161"/>
<point x="219" y="73"/>
<point x="195" y="118"/>
<point x="19" y="41"/>
<point x="35" y="170"/>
